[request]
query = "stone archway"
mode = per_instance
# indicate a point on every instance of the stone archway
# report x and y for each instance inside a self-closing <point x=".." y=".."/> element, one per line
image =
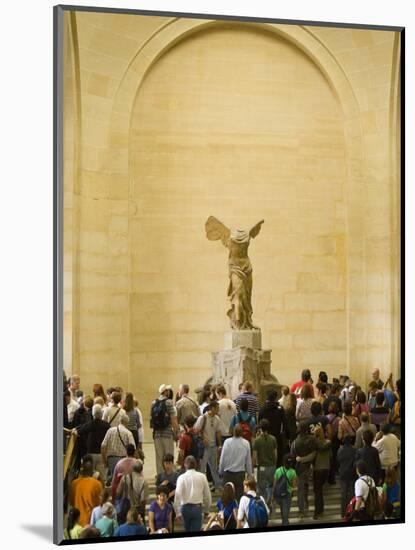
<point x="178" y="30"/>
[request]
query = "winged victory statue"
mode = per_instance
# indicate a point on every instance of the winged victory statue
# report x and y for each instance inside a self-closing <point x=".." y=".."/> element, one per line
<point x="240" y="269"/>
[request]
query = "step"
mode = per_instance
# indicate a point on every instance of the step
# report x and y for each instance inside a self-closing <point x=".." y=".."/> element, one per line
<point x="332" y="497"/>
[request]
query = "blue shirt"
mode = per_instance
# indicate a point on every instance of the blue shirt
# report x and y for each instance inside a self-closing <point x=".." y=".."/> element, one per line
<point x="227" y="513"/>
<point x="235" y="456"/>
<point x="389" y="398"/>
<point x="161" y="516"/>
<point x="130" y="529"/>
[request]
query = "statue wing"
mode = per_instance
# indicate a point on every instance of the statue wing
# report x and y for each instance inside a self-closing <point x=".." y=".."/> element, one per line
<point x="216" y="230"/>
<point x="256" y="229"/>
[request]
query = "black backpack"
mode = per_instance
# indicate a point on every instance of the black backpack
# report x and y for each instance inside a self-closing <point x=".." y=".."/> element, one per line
<point x="197" y="448"/>
<point x="159" y="417"/>
<point x="281" y="488"/>
<point x="372" y="505"/>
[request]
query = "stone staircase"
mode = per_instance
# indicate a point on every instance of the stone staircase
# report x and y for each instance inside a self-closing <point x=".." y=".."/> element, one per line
<point x="331" y="507"/>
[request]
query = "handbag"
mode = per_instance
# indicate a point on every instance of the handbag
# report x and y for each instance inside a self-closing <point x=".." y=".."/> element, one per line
<point x="124" y="504"/>
<point x="121" y="439"/>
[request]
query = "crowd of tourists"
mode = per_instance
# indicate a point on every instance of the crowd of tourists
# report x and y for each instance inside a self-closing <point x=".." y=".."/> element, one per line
<point x="245" y="458"/>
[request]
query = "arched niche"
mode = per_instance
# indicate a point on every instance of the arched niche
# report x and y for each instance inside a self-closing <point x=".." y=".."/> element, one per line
<point x="175" y="31"/>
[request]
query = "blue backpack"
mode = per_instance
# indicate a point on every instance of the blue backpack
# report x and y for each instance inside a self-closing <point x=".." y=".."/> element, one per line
<point x="257" y="512"/>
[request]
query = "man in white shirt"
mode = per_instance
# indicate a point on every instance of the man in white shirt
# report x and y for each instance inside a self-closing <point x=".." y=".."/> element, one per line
<point x="73" y="406"/>
<point x="388" y="446"/>
<point x="192" y="496"/>
<point x="74" y="383"/>
<point x="227" y="410"/>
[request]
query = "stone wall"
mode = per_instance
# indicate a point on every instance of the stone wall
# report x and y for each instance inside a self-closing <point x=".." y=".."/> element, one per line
<point x="180" y="119"/>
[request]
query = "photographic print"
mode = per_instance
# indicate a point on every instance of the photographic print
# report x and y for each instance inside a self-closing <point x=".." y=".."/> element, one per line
<point x="228" y="266"/>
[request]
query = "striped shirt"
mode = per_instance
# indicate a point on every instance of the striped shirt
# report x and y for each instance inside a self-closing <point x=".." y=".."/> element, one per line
<point x="253" y="407"/>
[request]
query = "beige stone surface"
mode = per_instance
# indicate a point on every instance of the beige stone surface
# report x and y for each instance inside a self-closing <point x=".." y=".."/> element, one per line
<point x="167" y="121"/>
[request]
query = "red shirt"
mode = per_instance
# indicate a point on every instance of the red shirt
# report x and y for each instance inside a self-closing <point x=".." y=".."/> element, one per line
<point x="185" y="442"/>
<point x="296" y="388"/>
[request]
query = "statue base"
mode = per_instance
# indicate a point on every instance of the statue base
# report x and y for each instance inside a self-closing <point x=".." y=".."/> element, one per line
<point x="243" y="338"/>
<point x="243" y="359"/>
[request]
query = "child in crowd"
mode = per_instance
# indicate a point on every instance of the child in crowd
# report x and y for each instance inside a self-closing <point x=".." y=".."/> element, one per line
<point x="73" y="527"/>
<point x="285" y="483"/>
<point x="107" y="524"/>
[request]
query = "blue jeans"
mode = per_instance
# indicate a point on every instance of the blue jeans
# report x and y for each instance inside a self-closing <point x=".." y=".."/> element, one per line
<point x="210" y="456"/>
<point x="112" y="462"/>
<point x="265" y="482"/>
<point x="192" y="517"/>
<point x="285" y="506"/>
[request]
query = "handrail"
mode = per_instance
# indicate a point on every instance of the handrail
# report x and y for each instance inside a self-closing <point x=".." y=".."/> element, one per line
<point x="70" y="451"/>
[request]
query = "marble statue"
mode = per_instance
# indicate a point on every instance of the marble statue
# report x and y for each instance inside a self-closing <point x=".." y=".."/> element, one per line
<point x="240" y="269"/>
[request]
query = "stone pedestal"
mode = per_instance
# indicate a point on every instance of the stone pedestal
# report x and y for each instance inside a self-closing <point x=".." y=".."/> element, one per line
<point x="243" y="338"/>
<point x="244" y="359"/>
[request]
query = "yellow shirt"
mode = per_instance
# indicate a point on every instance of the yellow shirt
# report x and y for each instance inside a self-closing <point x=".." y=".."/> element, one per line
<point x="74" y="532"/>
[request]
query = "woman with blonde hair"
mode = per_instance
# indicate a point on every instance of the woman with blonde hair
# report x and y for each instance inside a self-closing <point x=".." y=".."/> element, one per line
<point x="107" y="524"/>
<point x="97" y="511"/>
